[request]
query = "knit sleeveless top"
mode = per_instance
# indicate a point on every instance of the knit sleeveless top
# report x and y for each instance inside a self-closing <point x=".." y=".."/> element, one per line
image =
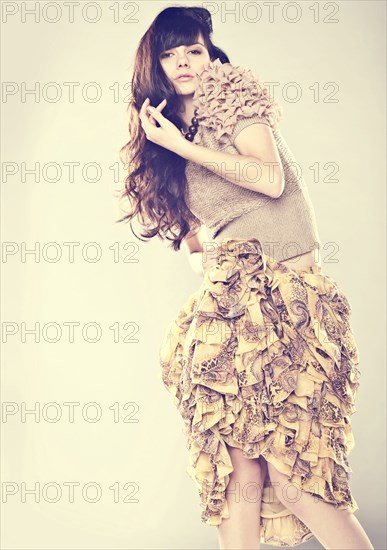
<point x="228" y="99"/>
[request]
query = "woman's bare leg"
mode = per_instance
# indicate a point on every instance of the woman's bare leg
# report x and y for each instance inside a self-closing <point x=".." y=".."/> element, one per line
<point x="244" y="495"/>
<point x="332" y="527"/>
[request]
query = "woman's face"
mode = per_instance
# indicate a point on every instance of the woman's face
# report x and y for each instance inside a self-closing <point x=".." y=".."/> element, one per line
<point x="185" y="59"/>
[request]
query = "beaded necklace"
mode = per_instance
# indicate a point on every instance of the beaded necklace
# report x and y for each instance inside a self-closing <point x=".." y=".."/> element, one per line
<point x="192" y="130"/>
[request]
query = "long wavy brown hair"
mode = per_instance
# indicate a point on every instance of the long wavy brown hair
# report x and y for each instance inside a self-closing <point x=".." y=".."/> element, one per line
<point x="156" y="185"/>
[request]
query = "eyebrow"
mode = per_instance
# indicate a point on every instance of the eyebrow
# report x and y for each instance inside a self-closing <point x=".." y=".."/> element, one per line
<point x="190" y="45"/>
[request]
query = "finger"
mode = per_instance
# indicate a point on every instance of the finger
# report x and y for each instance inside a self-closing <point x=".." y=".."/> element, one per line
<point x="144" y="106"/>
<point x="155" y="113"/>
<point x="145" y="115"/>
<point x="160" y="106"/>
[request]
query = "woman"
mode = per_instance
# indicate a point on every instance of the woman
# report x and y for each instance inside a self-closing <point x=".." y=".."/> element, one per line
<point x="261" y="360"/>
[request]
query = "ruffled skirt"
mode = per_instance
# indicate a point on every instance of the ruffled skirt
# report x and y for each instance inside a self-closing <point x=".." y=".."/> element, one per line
<point x="263" y="358"/>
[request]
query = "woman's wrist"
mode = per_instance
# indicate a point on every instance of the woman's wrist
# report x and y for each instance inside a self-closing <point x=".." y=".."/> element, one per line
<point x="183" y="147"/>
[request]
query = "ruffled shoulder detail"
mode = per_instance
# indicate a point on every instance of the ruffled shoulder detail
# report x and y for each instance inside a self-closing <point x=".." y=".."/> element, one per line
<point x="228" y="93"/>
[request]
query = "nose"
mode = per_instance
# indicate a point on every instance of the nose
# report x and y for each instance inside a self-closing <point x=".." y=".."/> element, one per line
<point x="182" y="62"/>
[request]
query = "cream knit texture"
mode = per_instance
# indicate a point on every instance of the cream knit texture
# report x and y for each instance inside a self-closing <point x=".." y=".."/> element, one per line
<point x="229" y="98"/>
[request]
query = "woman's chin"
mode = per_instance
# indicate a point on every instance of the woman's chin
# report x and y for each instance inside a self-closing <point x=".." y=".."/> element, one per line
<point x="187" y="90"/>
<point x="187" y="84"/>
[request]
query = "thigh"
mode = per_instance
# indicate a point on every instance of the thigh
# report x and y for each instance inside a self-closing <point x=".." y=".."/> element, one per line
<point x="247" y="480"/>
<point x="279" y="480"/>
<point x="288" y="492"/>
<point x="245" y="465"/>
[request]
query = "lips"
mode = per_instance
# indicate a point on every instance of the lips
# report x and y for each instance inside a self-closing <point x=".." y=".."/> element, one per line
<point x="184" y="76"/>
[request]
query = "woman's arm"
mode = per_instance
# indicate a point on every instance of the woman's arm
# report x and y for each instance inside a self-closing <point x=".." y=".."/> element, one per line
<point x="257" y="167"/>
<point x="200" y="250"/>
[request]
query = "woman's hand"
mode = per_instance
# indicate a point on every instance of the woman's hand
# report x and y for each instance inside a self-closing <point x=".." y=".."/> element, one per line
<point x="167" y="135"/>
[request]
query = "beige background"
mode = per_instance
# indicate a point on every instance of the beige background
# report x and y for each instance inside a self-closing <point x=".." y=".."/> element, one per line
<point x="149" y="451"/>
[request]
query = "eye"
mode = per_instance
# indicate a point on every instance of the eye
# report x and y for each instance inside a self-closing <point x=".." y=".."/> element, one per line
<point x="163" y="55"/>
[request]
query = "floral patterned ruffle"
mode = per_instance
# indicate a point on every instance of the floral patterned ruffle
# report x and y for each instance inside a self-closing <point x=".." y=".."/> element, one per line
<point x="263" y="358"/>
<point x="227" y="93"/>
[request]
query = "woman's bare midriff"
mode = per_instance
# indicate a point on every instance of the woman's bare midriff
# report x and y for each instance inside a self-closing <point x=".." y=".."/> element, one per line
<point x="296" y="263"/>
<point x="302" y="261"/>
